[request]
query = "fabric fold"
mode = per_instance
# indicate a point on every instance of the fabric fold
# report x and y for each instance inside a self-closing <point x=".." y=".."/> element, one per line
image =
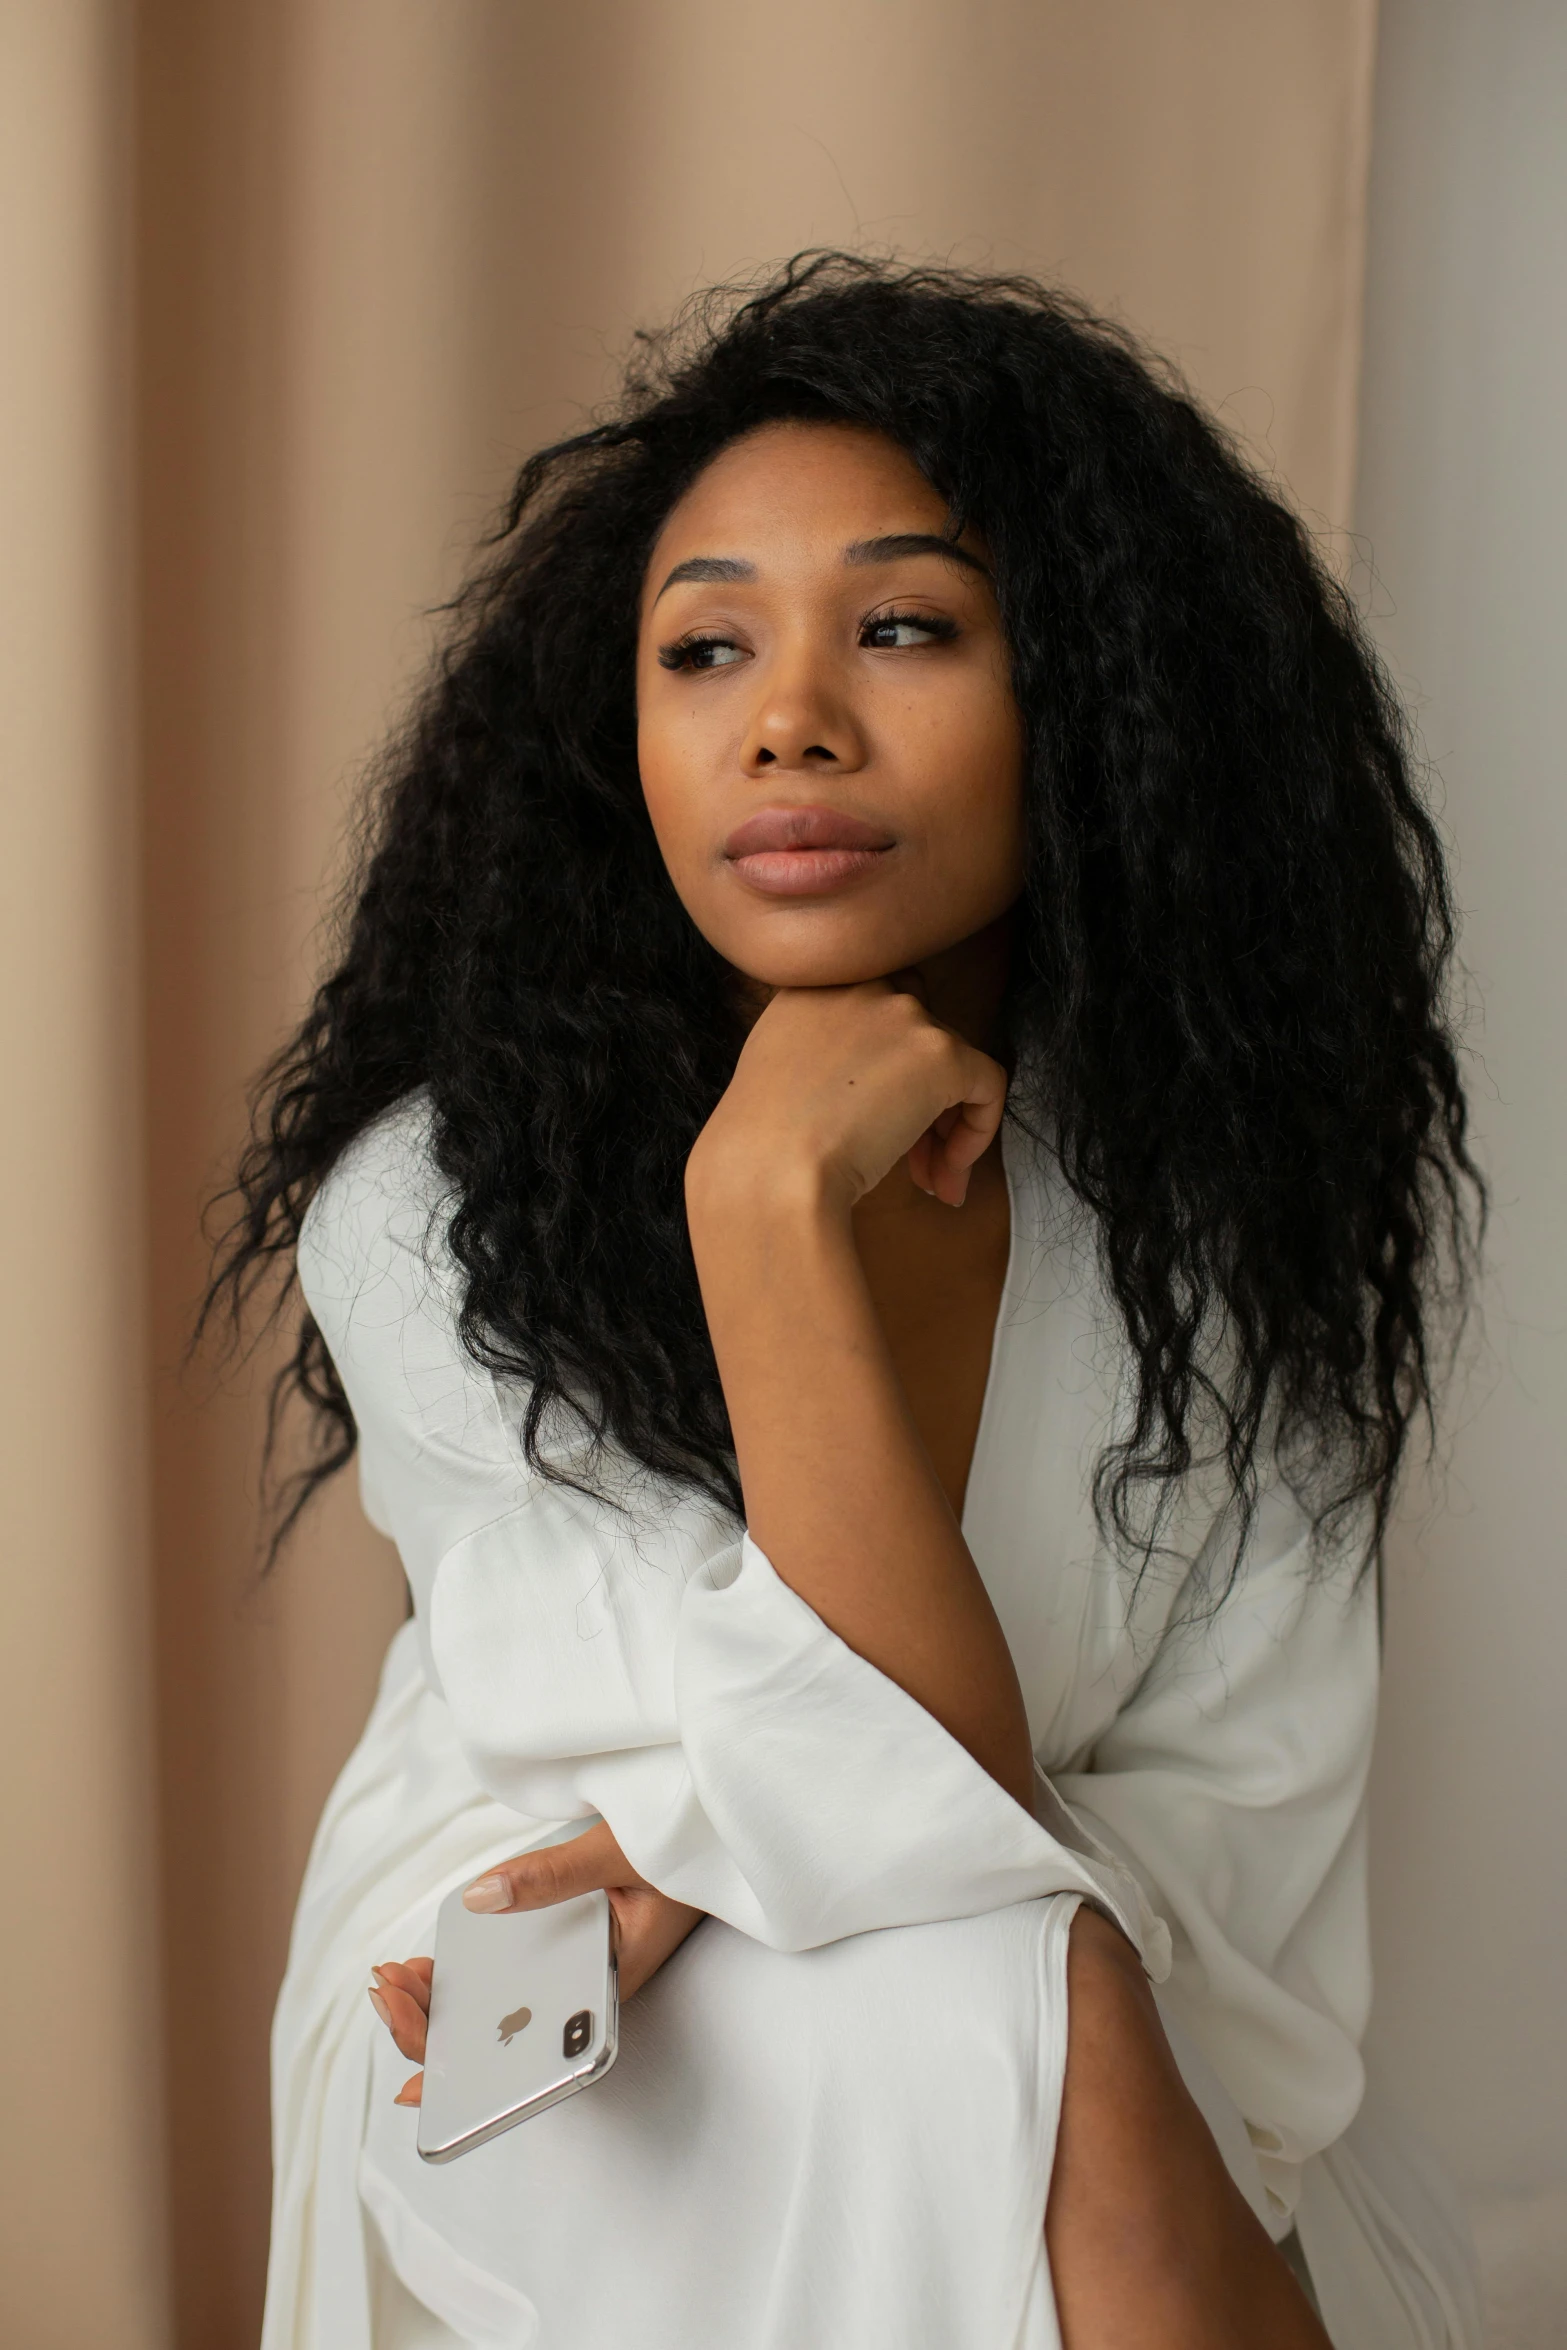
<point x="837" y="1803"/>
<point x="803" y="1794"/>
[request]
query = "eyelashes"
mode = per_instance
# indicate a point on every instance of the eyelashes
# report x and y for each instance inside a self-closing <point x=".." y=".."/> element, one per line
<point x="932" y="627"/>
<point x="691" y="652"/>
<point x="881" y="633"/>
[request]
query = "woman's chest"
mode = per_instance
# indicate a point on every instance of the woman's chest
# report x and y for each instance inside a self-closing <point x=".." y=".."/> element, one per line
<point x="1079" y="1630"/>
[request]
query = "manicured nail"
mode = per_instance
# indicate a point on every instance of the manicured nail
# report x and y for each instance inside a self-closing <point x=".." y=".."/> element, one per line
<point x="380" y="1976"/>
<point x="488" y="1893"/>
<point x="381" y="2008"/>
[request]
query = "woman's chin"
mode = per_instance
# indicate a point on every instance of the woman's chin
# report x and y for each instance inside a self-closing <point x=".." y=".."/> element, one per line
<point x="763" y="980"/>
<point x="836" y="953"/>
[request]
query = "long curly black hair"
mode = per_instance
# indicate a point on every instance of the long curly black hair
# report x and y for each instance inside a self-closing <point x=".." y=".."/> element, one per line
<point x="1229" y="1002"/>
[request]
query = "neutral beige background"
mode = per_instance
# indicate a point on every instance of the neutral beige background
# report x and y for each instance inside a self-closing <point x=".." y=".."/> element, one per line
<point x="379" y="247"/>
<point x="1463" y="507"/>
<point x="80" y="2130"/>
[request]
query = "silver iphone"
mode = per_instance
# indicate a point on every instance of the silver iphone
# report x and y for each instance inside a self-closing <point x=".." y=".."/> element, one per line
<point x="524" y="2010"/>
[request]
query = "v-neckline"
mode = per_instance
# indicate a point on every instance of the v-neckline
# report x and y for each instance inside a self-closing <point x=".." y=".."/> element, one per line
<point x="987" y="1409"/>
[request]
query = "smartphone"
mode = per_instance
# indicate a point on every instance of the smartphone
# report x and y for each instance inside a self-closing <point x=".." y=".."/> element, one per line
<point x="524" y="2010"/>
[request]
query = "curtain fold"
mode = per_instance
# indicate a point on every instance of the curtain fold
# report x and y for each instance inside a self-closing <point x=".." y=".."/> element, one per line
<point x="81" y="2150"/>
<point x="376" y="249"/>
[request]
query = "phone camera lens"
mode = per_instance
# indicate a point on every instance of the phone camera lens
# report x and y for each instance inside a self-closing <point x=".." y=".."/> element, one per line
<point x="578" y="2032"/>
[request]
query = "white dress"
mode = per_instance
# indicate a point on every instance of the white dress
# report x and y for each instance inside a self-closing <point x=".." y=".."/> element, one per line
<point x="832" y="2119"/>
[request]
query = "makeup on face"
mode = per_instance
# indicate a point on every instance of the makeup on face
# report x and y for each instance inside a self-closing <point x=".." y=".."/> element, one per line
<point x="829" y="745"/>
<point x="805" y="850"/>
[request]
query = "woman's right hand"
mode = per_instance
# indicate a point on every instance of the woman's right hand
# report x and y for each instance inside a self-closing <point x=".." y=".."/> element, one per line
<point x="834" y="1086"/>
<point x="649" y="1928"/>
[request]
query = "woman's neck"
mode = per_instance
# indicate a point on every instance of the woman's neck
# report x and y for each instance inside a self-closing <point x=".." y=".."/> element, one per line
<point x="966" y="985"/>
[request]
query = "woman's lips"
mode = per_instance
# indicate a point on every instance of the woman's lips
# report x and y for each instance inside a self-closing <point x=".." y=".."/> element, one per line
<point x="804" y="852"/>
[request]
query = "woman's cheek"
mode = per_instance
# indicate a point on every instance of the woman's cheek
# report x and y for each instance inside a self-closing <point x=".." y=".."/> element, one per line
<point x="670" y="815"/>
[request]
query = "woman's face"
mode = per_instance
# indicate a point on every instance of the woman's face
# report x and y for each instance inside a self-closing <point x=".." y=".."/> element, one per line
<point x="830" y="750"/>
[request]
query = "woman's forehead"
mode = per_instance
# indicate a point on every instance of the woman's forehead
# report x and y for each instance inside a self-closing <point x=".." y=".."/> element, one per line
<point x="827" y="488"/>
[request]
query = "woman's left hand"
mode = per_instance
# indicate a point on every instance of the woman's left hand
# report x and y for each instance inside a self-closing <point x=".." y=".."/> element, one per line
<point x="649" y="1927"/>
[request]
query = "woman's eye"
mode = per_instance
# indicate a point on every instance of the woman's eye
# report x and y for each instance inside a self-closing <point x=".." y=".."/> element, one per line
<point x="699" y="652"/>
<point x="891" y="630"/>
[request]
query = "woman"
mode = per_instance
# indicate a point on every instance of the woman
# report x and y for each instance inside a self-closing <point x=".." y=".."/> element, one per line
<point x="875" y="1185"/>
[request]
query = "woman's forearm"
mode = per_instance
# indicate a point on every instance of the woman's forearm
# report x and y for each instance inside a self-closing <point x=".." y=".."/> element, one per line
<point x="839" y="1491"/>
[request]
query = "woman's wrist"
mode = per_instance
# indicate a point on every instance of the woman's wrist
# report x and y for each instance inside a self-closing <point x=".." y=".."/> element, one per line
<point x="775" y="1253"/>
<point x="753" y="1189"/>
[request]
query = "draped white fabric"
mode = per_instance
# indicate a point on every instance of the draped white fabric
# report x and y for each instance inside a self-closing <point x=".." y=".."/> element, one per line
<point x="872" y="2026"/>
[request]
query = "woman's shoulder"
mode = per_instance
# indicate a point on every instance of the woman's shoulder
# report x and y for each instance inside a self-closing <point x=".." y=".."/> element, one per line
<point x="381" y="1211"/>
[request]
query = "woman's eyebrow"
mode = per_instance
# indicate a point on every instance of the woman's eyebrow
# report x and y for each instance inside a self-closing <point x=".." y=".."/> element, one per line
<point x="912" y="542"/>
<point x="705" y="569"/>
<point x="708" y="567"/>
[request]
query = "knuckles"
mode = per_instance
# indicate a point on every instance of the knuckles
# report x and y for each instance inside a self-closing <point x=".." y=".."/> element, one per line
<point x="904" y="1022"/>
<point x="542" y="1878"/>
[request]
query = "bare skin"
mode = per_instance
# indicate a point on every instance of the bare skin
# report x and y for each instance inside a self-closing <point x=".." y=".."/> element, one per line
<point x="802" y="650"/>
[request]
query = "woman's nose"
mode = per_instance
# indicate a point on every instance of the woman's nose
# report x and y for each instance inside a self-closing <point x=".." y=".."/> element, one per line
<point x="800" y="723"/>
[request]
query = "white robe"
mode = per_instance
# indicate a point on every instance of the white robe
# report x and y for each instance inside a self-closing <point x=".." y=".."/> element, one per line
<point x="832" y="2120"/>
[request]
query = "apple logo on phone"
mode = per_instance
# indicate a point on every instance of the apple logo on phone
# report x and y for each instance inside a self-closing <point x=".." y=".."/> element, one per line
<point x="512" y="2024"/>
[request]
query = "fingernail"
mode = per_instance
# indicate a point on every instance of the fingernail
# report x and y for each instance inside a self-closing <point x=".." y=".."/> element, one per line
<point x="380" y="1976"/>
<point x="381" y="2008"/>
<point x="488" y="1893"/>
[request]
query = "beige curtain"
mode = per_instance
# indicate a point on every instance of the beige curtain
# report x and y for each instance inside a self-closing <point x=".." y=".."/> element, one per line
<point x="290" y="284"/>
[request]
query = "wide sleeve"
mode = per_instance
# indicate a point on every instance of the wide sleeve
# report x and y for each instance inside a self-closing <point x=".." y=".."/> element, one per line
<point x="1233" y="1780"/>
<point x="631" y="1653"/>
